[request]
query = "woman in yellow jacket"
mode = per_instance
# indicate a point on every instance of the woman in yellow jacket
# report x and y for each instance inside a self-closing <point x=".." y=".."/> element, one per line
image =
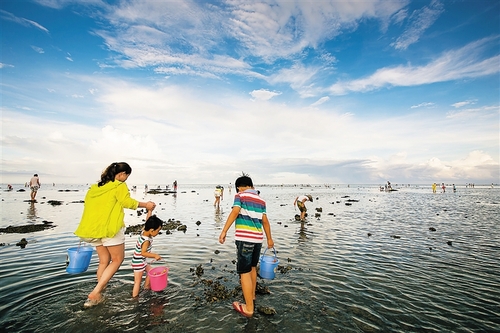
<point x="102" y="224"/>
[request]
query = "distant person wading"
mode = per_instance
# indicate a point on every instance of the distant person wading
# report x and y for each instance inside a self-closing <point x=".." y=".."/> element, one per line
<point x="34" y="186"/>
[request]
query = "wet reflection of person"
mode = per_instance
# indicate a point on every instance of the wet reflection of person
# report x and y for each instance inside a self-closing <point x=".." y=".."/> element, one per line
<point x="32" y="211"/>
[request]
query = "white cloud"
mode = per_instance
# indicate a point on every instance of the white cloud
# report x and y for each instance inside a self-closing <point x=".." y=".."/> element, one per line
<point x="191" y="38"/>
<point x="321" y="101"/>
<point x="22" y="21"/>
<point x="153" y="128"/>
<point x="299" y="77"/>
<point x="2" y="65"/>
<point x="419" y="22"/>
<point x="37" y="49"/>
<point x="464" y="103"/>
<point x="399" y="16"/>
<point x="452" y="65"/>
<point x="485" y="111"/>
<point x="58" y="4"/>
<point x="263" y="94"/>
<point x="476" y="165"/>
<point x="425" y="104"/>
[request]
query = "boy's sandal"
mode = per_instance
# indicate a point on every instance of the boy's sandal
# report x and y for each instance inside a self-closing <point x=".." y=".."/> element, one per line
<point x="239" y="307"/>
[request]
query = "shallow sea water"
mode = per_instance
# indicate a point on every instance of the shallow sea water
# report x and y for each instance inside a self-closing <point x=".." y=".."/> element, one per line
<point x="372" y="266"/>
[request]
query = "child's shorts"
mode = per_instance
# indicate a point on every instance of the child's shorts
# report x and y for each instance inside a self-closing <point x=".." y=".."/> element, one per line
<point x="118" y="239"/>
<point x="248" y="256"/>
<point x="139" y="265"/>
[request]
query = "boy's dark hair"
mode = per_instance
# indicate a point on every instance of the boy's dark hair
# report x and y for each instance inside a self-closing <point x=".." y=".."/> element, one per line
<point x="154" y="222"/>
<point x="243" y="181"/>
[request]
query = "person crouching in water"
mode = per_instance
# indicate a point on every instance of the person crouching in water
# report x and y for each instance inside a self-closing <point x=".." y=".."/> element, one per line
<point x="143" y="250"/>
<point x="300" y="202"/>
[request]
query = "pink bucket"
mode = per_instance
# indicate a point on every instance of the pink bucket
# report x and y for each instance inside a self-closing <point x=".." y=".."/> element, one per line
<point x="158" y="278"/>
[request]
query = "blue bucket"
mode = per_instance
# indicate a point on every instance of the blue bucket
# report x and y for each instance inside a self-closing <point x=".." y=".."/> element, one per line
<point x="79" y="259"/>
<point x="268" y="265"/>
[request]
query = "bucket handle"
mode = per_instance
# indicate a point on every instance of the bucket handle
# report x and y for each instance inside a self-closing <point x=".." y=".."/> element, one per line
<point x="161" y="261"/>
<point x="275" y="257"/>
<point x="80" y="245"/>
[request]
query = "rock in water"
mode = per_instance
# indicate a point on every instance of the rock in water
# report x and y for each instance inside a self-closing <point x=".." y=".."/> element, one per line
<point x="266" y="310"/>
<point x="22" y="243"/>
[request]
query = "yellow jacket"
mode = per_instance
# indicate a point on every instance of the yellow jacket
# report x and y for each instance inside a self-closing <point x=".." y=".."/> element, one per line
<point x="103" y="210"/>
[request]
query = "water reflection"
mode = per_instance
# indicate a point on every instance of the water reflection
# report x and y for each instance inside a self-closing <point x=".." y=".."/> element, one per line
<point x="303" y="237"/>
<point x="32" y="213"/>
<point x="156" y="310"/>
<point x="218" y="216"/>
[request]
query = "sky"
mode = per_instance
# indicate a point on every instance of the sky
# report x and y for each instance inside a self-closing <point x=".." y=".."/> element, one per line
<point x="289" y="92"/>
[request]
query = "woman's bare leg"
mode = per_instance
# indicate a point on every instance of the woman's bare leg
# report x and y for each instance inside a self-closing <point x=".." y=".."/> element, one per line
<point x="116" y="254"/>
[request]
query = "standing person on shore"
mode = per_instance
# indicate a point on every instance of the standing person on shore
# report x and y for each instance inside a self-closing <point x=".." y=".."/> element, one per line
<point x="175" y="185"/>
<point x="102" y="224"/>
<point x="300" y="202"/>
<point x="443" y="187"/>
<point x="249" y="212"/>
<point x="434" y="186"/>
<point x="34" y="186"/>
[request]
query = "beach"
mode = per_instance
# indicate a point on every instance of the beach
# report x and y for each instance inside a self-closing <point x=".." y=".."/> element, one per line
<point x="364" y="261"/>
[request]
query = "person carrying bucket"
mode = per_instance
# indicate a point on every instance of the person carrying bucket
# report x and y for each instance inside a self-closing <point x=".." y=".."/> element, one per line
<point x="300" y="202"/>
<point x="102" y="224"/>
<point x="249" y="212"/>
<point x="142" y="251"/>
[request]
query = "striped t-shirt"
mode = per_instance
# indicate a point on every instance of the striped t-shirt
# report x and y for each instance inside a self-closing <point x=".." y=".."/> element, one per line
<point x="249" y="221"/>
<point x="138" y="261"/>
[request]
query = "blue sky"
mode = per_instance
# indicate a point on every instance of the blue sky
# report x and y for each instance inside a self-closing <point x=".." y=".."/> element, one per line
<point x="287" y="91"/>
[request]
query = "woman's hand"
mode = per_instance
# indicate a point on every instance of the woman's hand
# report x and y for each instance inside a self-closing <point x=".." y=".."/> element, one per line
<point x="150" y="205"/>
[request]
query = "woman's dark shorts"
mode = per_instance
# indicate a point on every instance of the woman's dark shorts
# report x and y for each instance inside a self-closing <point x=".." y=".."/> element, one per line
<point x="248" y="256"/>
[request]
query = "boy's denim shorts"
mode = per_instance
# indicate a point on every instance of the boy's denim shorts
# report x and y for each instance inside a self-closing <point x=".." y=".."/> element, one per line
<point x="248" y="256"/>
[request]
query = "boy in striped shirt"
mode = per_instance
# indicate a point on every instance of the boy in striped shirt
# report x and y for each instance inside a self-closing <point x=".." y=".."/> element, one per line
<point x="249" y="212"/>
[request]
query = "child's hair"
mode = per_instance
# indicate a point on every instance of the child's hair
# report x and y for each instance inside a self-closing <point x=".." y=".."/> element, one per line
<point x="153" y="222"/>
<point x="243" y="181"/>
<point x="112" y="170"/>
